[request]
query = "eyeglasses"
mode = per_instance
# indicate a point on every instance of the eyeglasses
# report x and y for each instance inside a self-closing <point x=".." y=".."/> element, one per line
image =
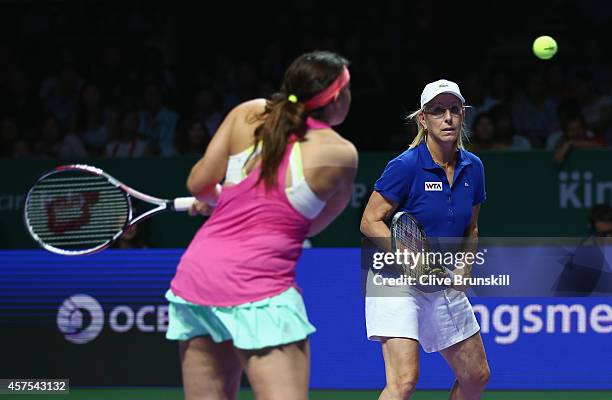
<point x="439" y="111"/>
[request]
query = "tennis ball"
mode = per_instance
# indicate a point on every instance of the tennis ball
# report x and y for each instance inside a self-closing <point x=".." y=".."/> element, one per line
<point x="544" y="47"/>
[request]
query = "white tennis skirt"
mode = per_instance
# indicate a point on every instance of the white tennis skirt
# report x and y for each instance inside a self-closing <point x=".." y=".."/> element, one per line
<point x="436" y="320"/>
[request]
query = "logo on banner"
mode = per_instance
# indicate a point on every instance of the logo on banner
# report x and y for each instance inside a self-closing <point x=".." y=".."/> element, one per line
<point x="433" y="186"/>
<point x="80" y="318"/>
<point x="581" y="190"/>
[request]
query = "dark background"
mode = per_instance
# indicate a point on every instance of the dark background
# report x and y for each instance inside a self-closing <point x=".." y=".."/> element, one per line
<point x="235" y="51"/>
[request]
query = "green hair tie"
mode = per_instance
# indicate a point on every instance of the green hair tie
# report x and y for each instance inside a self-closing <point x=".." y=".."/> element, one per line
<point x="292" y="98"/>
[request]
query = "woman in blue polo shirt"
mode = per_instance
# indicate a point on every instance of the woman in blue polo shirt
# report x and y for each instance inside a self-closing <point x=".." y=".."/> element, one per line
<point x="441" y="321"/>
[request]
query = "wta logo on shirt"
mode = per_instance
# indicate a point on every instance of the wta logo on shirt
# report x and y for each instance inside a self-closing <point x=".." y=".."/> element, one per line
<point x="433" y="186"/>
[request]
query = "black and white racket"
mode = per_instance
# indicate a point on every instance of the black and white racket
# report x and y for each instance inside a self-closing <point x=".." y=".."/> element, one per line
<point x="408" y="234"/>
<point x="79" y="209"/>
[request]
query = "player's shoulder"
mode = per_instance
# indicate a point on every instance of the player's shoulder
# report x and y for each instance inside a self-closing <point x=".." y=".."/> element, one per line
<point x="249" y="108"/>
<point x="408" y="159"/>
<point x="334" y="147"/>
<point x="259" y="103"/>
<point x="473" y="158"/>
<point x="348" y="152"/>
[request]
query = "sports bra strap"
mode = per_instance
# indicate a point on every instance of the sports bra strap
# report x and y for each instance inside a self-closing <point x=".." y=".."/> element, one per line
<point x="282" y="168"/>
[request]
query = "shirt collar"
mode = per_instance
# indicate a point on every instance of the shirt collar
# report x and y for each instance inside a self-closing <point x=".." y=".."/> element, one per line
<point x="427" y="161"/>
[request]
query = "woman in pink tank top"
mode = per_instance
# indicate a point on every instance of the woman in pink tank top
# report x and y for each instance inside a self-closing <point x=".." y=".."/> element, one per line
<point x="233" y="302"/>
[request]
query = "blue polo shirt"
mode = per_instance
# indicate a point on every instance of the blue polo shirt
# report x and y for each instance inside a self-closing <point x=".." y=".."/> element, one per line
<point x="419" y="186"/>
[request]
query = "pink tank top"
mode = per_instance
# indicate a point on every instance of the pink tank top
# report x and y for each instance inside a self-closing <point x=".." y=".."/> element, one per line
<point x="248" y="248"/>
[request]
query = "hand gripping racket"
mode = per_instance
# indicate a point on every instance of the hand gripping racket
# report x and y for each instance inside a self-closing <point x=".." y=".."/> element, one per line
<point x="79" y="209"/>
<point x="407" y="234"/>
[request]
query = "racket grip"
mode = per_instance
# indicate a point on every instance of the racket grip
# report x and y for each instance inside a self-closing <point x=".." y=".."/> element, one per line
<point x="218" y="189"/>
<point x="211" y="199"/>
<point x="183" y="203"/>
<point x="450" y="273"/>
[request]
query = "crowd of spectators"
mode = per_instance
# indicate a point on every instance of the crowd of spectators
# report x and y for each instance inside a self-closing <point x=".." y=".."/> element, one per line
<point x="103" y="79"/>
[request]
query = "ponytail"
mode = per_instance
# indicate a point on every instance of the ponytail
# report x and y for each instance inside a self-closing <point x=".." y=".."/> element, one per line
<point x="281" y="118"/>
<point x="310" y="83"/>
<point x="421" y="132"/>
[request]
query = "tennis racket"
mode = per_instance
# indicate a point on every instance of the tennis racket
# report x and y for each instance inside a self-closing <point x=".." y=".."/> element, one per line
<point x="408" y="234"/>
<point x="79" y="209"/>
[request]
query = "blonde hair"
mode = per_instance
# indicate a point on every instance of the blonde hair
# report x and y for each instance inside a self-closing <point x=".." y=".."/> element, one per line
<point x="422" y="132"/>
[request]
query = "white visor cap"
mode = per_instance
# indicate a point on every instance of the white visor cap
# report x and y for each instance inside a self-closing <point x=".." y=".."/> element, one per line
<point x="438" y="87"/>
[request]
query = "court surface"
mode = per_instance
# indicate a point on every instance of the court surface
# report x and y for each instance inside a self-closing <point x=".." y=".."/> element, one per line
<point x="177" y="394"/>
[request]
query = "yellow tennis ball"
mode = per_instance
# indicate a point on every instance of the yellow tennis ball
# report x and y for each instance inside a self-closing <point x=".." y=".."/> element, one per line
<point x="544" y="47"/>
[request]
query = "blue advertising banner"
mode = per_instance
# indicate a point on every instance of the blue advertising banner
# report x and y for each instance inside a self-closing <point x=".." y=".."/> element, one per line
<point x="100" y="320"/>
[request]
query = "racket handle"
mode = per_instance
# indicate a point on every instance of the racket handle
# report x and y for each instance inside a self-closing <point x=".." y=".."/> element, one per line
<point x="183" y="203"/>
<point x="450" y="273"/>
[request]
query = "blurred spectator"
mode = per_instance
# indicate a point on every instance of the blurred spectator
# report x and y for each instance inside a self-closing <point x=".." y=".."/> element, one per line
<point x="596" y="108"/>
<point x="9" y="134"/>
<point x="247" y="81"/>
<point x="155" y="66"/>
<point x="483" y="133"/>
<point x="574" y="135"/>
<point x="53" y="142"/>
<point x="126" y="142"/>
<point x="568" y="108"/>
<point x="109" y="72"/>
<point x="230" y="91"/>
<point x="157" y="123"/>
<point x="597" y="63"/>
<point x="134" y="237"/>
<point x="72" y="147"/>
<point x="600" y="219"/>
<point x="586" y="270"/>
<point x="208" y="110"/>
<point x="487" y="135"/>
<point x="21" y="103"/>
<point x="557" y="84"/>
<point x="500" y="87"/>
<point x="21" y="149"/>
<point x="272" y="64"/>
<point x="265" y="90"/>
<point x="535" y="115"/>
<point x="50" y="140"/>
<point x="401" y="139"/>
<point x="478" y="100"/>
<point x="66" y="145"/>
<point x="126" y="47"/>
<point x="91" y="124"/>
<point x="60" y="94"/>
<point x="193" y="138"/>
<point x="504" y="129"/>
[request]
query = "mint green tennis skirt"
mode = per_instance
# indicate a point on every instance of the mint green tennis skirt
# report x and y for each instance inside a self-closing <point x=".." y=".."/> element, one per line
<point x="270" y="322"/>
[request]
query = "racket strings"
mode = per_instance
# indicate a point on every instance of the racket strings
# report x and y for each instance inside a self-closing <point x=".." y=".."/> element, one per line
<point x="76" y="213"/>
<point x="410" y="237"/>
<point x="74" y="210"/>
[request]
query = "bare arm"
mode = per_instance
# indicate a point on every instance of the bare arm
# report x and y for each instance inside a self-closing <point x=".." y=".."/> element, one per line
<point x="472" y="230"/>
<point x="586" y="144"/>
<point x="377" y="211"/>
<point x="562" y="150"/>
<point x="470" y="245"/>
<point x="336" y="187"/>
<point x="334" y="207"/>
<point x="211" y="168"/>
